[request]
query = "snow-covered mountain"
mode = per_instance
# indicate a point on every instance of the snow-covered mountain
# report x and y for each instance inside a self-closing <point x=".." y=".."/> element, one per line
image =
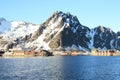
<point x="13" y="31"/>
<point x="60" y="31"/>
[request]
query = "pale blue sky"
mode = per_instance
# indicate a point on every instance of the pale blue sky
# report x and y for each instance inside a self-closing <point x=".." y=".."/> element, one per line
<point x="91" y="13"/>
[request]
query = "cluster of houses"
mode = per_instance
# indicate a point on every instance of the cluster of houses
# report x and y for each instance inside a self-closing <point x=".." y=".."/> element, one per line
<point x="31" y="53"/>
<point x="26" y="53"/>
<point x="96" y="52"/>
<point x="71" y="53"/>
<point x="67" y="53"/>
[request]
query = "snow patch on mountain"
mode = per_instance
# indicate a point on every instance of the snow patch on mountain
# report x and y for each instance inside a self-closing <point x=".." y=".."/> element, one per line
<point x="74" y="29"/>
<point x="91" y="34"/>
<point x="21" y="28"/>
<point x="111" y="44"/>
<point x="18" y="29"/>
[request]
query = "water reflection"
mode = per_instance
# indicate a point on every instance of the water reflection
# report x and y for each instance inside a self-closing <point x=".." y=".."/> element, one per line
<point x="60" y="68"/>
<point x="90" y="68"/>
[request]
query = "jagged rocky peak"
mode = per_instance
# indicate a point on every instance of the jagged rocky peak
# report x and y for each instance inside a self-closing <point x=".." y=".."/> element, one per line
<point x="56" y="21"/>
<point x="102" y="29"/>
<point x="64" y="15"/>
<point x="103" y="37"/>
<point x="63" y="18"/>
<point x="72" y="33"/>
<point x="61" y="30"/>
<point x="67" y="16"/>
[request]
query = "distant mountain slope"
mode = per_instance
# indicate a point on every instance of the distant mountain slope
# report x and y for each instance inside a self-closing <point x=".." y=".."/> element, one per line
<point x="4" y="25"/>
<point x="60" y="31"/>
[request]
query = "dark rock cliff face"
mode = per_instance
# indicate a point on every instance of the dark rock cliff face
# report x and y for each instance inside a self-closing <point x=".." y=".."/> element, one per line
<point x="77" y="38"/>
<point x="117" y="41"/>
<point x="103" y="37"/>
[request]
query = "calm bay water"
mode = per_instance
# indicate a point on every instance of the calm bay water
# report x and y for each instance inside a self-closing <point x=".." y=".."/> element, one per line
<point x="60" y="68"/>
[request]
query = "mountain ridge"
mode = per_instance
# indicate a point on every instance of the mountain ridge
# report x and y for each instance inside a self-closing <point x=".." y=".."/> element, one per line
<point x="62" y="31"/>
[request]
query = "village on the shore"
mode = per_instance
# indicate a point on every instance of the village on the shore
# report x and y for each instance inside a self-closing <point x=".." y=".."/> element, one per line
<point x="37" y="53"/>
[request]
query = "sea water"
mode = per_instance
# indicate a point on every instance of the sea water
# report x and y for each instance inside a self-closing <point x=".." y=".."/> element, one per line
<point x="60" y="68"/>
